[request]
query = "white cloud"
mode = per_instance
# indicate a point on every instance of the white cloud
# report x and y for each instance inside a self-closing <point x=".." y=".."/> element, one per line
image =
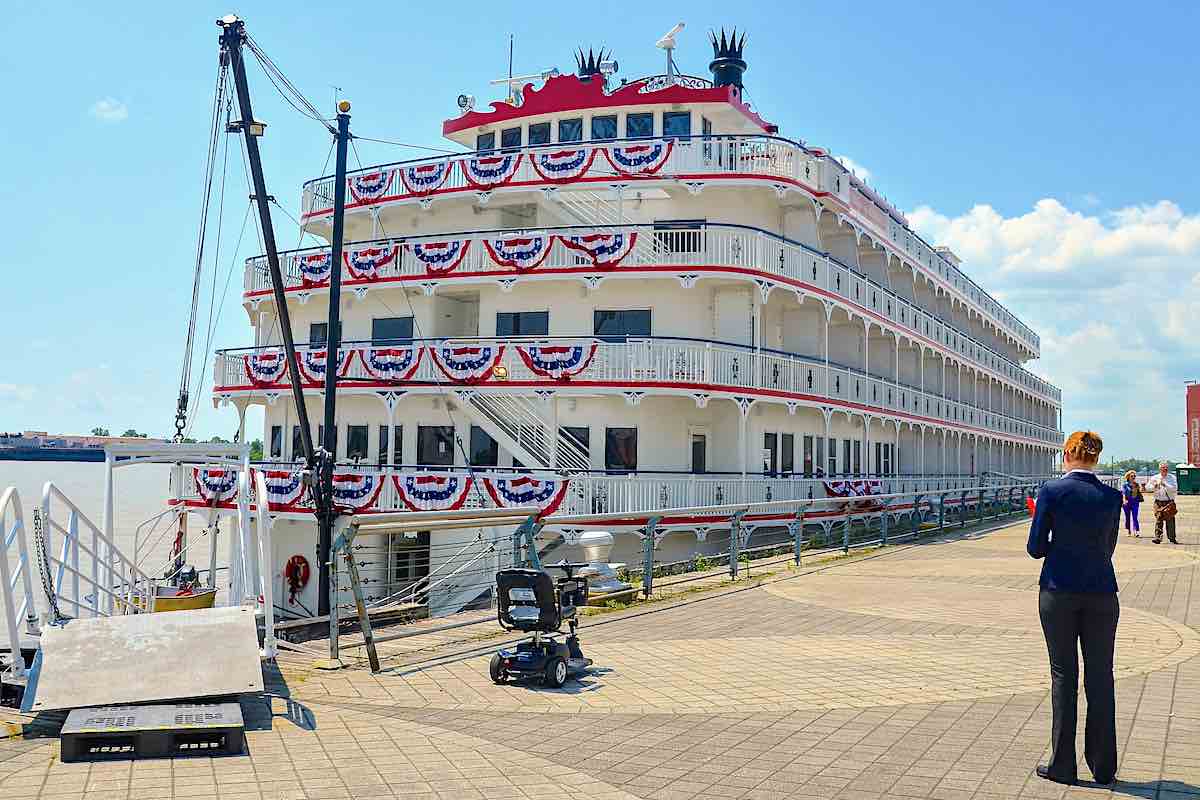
<point x="1114" y="296"/>
<point x="858" y="169"/>
<point x="16" y="392"/>
<point x="109" y="109"/>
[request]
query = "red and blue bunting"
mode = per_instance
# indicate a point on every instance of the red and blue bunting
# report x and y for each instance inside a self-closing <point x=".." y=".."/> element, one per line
<point x="215" y="485"/>
<point x="265" y="369"/>
<point x="645" y="158"/>
<point x="432" y="491"/>
<point x="559" y="166"/>
<point x="856" y="489"/>
<point x="525" y="490"/>
<point x="315" y="268"/>
<point x="391" y="363"/>
<point x="355" y="491"/>
<point x="605" y="249"/>
<point x="467" y="363"/>
<point x="370" y="186"/>
<point x="522" y="253"/>
<point x="557" y="362"/>
<point x="313" y="362"/>
<point x="364" y="264"/>
<point x="488" y="172"/>
<point x="425" y="178"/>
<point x="440" y="258"/>
<point x="285" y="488"/>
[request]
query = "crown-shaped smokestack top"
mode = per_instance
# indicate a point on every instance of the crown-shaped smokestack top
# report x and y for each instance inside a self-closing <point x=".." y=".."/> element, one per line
<point x="727" y="65"/>
<point x="589" y="65"/>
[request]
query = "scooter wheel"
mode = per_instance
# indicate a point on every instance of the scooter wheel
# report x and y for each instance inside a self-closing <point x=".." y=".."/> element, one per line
<point x="496" y="669"/>
<point x="556" y="672"/>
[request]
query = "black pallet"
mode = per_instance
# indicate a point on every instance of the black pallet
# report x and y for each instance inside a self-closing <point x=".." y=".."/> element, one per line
<point x="153" y="731"/>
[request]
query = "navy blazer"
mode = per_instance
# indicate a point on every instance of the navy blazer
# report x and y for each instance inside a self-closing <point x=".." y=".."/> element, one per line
<point x="1075" y="526"/>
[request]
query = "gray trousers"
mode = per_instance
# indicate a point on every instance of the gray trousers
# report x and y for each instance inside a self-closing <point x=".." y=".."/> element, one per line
<point x="1160" y="523"/>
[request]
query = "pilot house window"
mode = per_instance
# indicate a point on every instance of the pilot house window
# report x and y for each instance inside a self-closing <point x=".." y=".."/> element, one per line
<point x="539" y="133"/>
<point x="639" y="125"/>
<point x="570" y="130"/>
<point x="677" y="123"/>
<point x="604" y="127"/>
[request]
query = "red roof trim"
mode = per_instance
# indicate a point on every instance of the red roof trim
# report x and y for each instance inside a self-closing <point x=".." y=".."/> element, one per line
<point x="569" y="93"/>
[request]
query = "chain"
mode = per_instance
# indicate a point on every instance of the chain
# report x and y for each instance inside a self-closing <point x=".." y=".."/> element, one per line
<point x="43" y="565"/>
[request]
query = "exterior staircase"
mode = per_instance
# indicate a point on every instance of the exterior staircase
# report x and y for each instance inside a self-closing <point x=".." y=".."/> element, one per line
<point x="600" y="208"/>
<point x="521" y="425"/>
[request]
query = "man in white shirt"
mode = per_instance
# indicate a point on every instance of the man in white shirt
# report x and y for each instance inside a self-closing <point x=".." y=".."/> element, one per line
<point x="1164" y="488"/>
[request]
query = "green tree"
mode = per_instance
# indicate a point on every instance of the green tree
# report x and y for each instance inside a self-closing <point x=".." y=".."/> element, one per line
<point x="256" y="450"/>
<point x="134" y="433"/>
<point x="218" y="440"/>
<point x="98" y="431"/>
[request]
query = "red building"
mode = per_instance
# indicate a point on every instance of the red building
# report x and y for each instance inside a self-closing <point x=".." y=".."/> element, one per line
<point x="1193" y="423"/>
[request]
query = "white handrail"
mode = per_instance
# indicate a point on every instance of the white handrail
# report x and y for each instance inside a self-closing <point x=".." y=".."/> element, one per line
<point x="9" y="578"/>
<point x="266" y="572"/>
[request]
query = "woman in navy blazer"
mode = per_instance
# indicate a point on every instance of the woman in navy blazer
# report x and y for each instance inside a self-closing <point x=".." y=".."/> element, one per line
<point x="1075" y="525"/>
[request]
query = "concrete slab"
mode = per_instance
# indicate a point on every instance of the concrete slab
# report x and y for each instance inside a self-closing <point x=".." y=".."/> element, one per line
<point x="143" y="658"/>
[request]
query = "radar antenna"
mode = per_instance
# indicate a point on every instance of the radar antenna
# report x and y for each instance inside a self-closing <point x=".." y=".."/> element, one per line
<point x="667" y="42"/>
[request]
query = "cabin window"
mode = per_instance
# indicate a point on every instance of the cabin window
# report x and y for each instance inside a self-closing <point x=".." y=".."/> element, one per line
<point x="391" y="329"/>
<point x="276" y="442"/>
<point x="435" y="445"/>
<point x="677" y="123"/>
<point x="510" y="138"/>
<point x="819" y="456"/>
<point x="770" y="453"/>
<point x="808" y="456"/>
<point x="539" y="133"/>
<point x="570" y="130"/>
<point x="321" y="439"/>
<point x="833" y="456"/>
<point x="639" y="125"/>
<point x="857" y="457"/>
<point x="397" y="444"/>
<point x="356" y="442"/>
<point x="846" y="456"/>
<point x="706" y="130"/>
<point x="485" y="142"/>
<point x="622" y="323"/>
<point x="522" y="323"/>
<point x="484" y="450"/>
<point x="787" y="453"/>
<point x="620" y="449"/>
<point x="580" y="436"/>
<point x="604" y="127"/>
<point x="297" y="445"/>
<point x="699" y="453"/>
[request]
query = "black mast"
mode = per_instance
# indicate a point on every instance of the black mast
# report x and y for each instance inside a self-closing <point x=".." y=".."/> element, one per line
<point x="327" y="512"/>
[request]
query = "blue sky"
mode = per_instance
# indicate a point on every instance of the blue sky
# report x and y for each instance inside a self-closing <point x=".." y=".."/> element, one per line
<point x="1053" y="145"/>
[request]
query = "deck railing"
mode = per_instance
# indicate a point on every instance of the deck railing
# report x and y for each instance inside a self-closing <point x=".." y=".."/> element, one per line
<point x="707" y="248"/>
<point x="687" y="366"/>
<point x="692" y="160"/>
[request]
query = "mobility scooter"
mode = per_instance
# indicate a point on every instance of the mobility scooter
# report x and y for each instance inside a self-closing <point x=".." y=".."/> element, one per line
<point x="529" y="600"/>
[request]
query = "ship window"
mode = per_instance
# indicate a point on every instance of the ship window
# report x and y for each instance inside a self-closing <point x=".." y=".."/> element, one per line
<point x="383" y="445"/>
<point x="356" y="442"/>
<point x="297" y="445"/>
<point x="833" y="461"/>
<point x="276" y="441"/>
<point x="699" y="453"/>
<point x="485" y="142"/>
<point x="435" y="445"/>
<point x="318" y="333"/>
<point x="787" y="453"/>
<point x="522" y="323"/>
<point x="510" y="138"/>
<point x="677" y="123"/>
<point x="484" y="450"/>
<point x="857" y="457"/>
<point x="579" y="435"/>
<point x="819" y="458"/>
<point x="570" y="130"/>
<point x="391" y="329"/>
<point x="808" y="456"/>
<point x="846" y="456"/>
<point x="620" y="449"/>
<point x="637" y="125"/>
<point x="397" y="444"/>
<point x="539" y="133"/>
<point x="321" y="439"/>
<point x="770" y="453"/>
<point x="619" y="324"/>
<point x="604" y="127"/>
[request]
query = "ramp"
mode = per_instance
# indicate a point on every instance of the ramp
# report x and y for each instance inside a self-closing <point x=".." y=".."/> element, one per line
<point x="122" y="732"/>
<point x="143" y="658"/>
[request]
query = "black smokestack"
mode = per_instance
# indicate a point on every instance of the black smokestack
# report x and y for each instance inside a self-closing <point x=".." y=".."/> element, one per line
<point x="589" y="65"/>
<point x="727" y="65"/>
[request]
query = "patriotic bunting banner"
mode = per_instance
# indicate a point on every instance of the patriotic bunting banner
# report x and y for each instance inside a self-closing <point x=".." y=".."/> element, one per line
<point x="469" y="363"/>
<point x="215" y="485"/>
<point x="639" y="159"/>
<point x="440" y="258"/>
<point x="425" y="178"/>
<point x="315" y="268"/>
<point x="265" y="369"/>
<point x="855" y="489"/>
<point x="562" y="165"/>
<point x="370" y="186"/>
<point x="391" y="363"/>
<point x="365" y="264"/>
<point x="430" y="491"/>
<point x="559" y="362"/>
<point x="605" y="249"/>
<point x="356" y="490"/>
<point x="313" y="362"/>
<point x="285" y="488"/>
<point x="513" y="491"/>
<point x="488" y="172"/>
<point x="522" y="253"/>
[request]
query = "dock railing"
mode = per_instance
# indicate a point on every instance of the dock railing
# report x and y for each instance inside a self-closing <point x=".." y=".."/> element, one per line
<point x="16" y="579"/>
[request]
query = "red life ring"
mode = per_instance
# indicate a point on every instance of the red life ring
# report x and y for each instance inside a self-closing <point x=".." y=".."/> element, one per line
<point x="296" y="572"/>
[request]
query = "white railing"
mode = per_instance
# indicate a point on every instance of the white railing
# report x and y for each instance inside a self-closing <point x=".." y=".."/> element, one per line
<point x="694" y="160"/>
<point x="709" y="248"/>
<point x="266" y="584"/>
<point x="655" y="364"/>
<point x="16" y="579"/>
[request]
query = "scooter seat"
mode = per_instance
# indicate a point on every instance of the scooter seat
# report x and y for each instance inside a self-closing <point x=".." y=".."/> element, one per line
<point x="524" y="615"/>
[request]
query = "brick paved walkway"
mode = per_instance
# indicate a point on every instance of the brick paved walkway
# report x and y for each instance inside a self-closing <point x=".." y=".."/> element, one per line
<point x="918" y="672"/>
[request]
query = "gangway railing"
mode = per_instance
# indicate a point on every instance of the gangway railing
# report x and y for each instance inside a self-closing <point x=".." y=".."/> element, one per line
<point x="16" y="580"/>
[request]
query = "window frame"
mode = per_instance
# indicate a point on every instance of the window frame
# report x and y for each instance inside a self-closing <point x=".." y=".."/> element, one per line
<point x="569" y="121"/>
<point x="605" y="118"/>
<point x="639" y="116"/>
<point x="674" y="115"/>
<point x="535" y="130"/>
<point x="610" y="449"/>
<point x="354" y="432"/>
<point x="439" y="432"/>
<point x="490" y="138"/>
<point x="621" y="312"/>
<point x="517" y="316"/>
<point x="509" y="146"/>
<point x="377" y="339"/>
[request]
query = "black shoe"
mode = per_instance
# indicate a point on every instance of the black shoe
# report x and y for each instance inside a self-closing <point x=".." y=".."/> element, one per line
<point x="1157" y="541"/>
<point x="1111" y="779"/>
<point x="1044" y="772"/>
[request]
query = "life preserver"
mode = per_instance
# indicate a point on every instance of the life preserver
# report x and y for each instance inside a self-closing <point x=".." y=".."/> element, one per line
<point x="296" y="572"/>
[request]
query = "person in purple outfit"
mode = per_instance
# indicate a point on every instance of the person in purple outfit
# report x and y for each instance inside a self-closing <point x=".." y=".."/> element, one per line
<point x="1131" y="492"/>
